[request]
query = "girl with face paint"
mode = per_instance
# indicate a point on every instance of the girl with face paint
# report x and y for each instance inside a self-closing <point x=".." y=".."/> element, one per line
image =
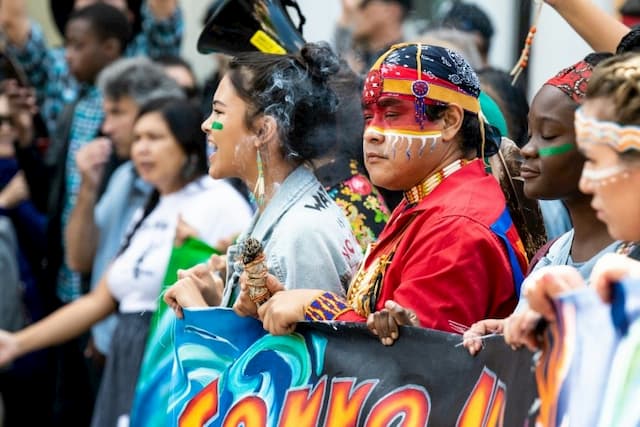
<point x="551" y="171"/>
<point x="607" y="129"/>
<point x="449" y="251"/>
<point x="553" y="163"/>
<point x="607" y="136"/>
<point x="272" y="116"/>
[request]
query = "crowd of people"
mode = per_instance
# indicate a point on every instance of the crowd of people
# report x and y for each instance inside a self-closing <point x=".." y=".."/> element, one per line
<point x="388" y="181"/>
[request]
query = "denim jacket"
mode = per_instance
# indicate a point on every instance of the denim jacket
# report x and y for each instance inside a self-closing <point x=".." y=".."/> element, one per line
<point x="306" y="239"/>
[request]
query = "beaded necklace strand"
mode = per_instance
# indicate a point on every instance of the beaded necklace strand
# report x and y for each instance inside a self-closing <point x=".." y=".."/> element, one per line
<point x="424" y="188"/>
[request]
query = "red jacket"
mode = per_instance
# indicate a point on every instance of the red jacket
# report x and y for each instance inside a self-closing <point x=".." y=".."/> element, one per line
<point x="450" y="263"/>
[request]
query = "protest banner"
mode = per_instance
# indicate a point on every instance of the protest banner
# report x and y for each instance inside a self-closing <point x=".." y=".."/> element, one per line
<point x="230" y="372"/>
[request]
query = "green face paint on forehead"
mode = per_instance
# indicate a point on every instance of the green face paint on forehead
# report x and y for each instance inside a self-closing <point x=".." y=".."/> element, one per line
<point x="216" y="126"/>
<point x="557" y="150"/>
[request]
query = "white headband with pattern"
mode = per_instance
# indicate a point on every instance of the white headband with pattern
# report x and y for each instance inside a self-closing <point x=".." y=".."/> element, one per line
<point x="621" y="138"/>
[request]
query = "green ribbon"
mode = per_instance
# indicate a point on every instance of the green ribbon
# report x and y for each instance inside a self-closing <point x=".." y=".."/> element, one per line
<point x="557" y="150"/>
<point x="216" y="126"/>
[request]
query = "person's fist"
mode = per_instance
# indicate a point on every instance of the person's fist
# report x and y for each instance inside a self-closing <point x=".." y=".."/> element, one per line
<point x="91" y="159"/>
<point x="384" y="323"/>
<point x="472" y="339"/>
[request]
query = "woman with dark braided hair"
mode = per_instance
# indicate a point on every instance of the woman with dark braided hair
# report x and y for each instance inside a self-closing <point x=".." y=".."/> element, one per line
<point x="272" y="116"/>
<point x="450" y="251"/>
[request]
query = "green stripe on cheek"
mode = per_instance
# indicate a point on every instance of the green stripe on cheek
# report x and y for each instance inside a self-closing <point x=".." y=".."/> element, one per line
<point x="216" y="126"/>
<point x="557" y="150"/>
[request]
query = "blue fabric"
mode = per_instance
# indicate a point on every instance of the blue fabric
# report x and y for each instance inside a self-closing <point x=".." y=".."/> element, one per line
<point x="618" y="315"/>
<point x="556" y="218"/>
<point x="125" y="193"/>
<point x="500" y="228"/>
<point x="158" y="37"/>
<point x="8" y="168"/>
<point x="48" y="73"/>
<point x="30" y="228"/>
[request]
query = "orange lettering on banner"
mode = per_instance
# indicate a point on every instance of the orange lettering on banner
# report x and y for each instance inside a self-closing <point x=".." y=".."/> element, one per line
<point x="496" y="415"/>
<point x="302" y="406"/>
<point x="345" y="403"/>
<point x="251" y="411"/>
<point x="410" y="404"/>
<point x="485" y="405"/>
<point x="202" y="408"/>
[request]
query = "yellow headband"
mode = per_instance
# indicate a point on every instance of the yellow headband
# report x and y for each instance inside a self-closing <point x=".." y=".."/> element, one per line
<point x="435" y="92"/>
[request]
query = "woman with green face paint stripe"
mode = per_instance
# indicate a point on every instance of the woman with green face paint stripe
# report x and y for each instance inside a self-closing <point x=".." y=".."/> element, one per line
<point x="552" y="167"/>
<point x="551" y="171"/>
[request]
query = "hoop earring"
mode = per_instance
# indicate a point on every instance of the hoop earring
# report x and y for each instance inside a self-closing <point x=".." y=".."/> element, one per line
<point x="258" y="190"/>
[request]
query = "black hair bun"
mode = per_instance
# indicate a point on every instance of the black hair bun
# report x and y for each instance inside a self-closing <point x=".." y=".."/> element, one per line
<point x="320" y="60"/>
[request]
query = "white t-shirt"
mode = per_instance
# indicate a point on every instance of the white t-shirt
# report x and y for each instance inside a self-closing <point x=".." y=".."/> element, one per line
<point x="213" y="207"/>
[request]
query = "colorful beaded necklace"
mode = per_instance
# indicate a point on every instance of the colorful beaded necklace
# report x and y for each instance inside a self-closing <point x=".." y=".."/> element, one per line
<point x="415" y="194"/>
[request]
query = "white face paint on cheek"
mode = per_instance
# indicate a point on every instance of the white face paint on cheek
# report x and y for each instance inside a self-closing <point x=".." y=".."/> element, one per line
<point x="602" y="177"/>
<point x="394" y="139"/>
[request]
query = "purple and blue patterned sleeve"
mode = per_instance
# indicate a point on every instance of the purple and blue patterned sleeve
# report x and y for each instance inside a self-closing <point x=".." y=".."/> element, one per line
<point x="327" y="306"/>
